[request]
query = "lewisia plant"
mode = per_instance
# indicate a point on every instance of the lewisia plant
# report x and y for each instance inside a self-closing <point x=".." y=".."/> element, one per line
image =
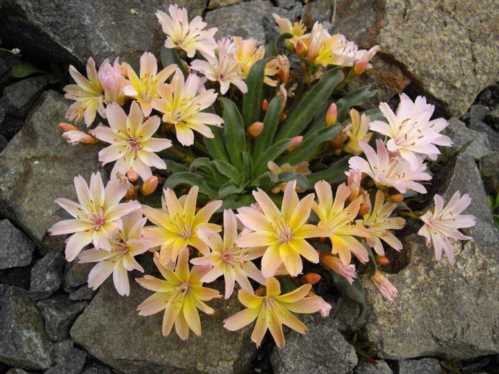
<point x="274" y="176"/>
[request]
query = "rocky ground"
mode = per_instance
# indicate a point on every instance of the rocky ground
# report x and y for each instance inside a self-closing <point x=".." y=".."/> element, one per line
<point x="446" y="319"/>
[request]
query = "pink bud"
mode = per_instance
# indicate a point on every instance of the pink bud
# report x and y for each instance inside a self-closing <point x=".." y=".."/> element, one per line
<point x="295" y="142"/>
<point x="77" y="136"/>
<point x="255" y="129"/>
<point x="150" y="185"/>
<point x="331" y="115"/>
<point x="67" y="127"/>
<point x="132" y="175"/>
<point x="360" y="67"/>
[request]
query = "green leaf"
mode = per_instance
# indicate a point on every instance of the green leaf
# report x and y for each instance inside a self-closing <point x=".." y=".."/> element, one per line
<point x="305" y="110"/>
<point x="275" y="46"/>
<point x="334" y="174"/>
<point x="229" y="190"/>
<point x="204" y="164"/>
<point x="252" y="100"/>
<point x="23" y="70"/>
<point x="228" y="170"/>
<point x="310" y="145"/>
<point x="271" y="153"/>
<point x="237" y="201"/>
<point x="215" y="146"/>
<point x="301" y="180"/>
<point x="270" y="123"/>
<point x="169" y="56"/>
<point x="353" y="99"/>
<point x="234" y="132"/>
<point x="247" y="165"/>
<point x="174" y="166"/>
<point x="190" y="179"/>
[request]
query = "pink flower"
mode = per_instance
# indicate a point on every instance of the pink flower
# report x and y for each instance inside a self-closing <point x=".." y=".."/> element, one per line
<point x="384" y="286"/>
<point x="144" y="88"/>
<point x="112" y="80"/>
<point x="228" y="260"/>
<point x="185" y="35"/>
<point x="132" y="145"/>
<point x="87" y="93"/>
<point x="390" y="170"/>
<point x="222" y="67"/>
<point x="442" y="224"/>
<point x="411" y="130"/>
<point x="379" y="224"/>
<point x="126" y="243"/>
<point x="96" y="216"/>
<point x="182" y="103"/>
<point x="335" y="264"/>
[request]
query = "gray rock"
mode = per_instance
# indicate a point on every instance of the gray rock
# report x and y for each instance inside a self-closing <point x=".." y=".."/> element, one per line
<point x="489" y="169"/>
<point x="3" y="110"/>
<point x="492" y="135"/>
<point x="378" y="367"/>
<point x="3" y="143"/>
<point x="322" y="350"/>
<point x="97" y="369"/>
<point x="469" y="142"/>
<point x="110" y="319"/>
<point x="69" y="360"/>
<point x="73" y="30"/>
<point x="11" y="126"/>
<point x="453" y="54"/>
<point x="15" y="248"/>
<point x="318" y="11"/>
<point x="19" y="96"/>
<point x="213" y="4"/>
<point x="455" y="317"/>
<point x="46" y="275"/>
<point x="466" y="178"/>
<point x="243" y="19"/>
<point x="423" y="366"/>
<point x="59" y="314"/>
<point x="76" y="275"/>
<point x="16" y="371"/>
<point x="18" y="277"/>
<point x="38" y="166"/>
<point x="356" y="20"/>
<point x="82" y="293"/>
<point x="23" y="341"/>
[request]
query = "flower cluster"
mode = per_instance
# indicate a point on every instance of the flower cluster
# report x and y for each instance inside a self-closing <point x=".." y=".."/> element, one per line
<point x="256" y="135"/>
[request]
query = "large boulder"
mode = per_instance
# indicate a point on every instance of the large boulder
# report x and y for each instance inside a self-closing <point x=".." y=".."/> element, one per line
<point x="243" y="19"/>
<point x="23" y="341"/>
<point x="73" y="30"/>
<point x="447" y="48"/>
<point x="322" y="350"/>
<point x="38" y="166"/>
<point x="133" y="344"/>
<point x="444" y="310"/>
<point x="15" y="248"/>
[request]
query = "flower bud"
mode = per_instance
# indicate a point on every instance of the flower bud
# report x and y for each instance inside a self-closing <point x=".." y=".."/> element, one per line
<point x="295" y="142"/>
<point x="67" y="127"/>
<point x="150" y="185"/>
<point x="77" y="136"/>
<point x="300" y="48"/>
<point x="132" y="176"/>
<point x="265" y="105"/>
<point x="364" y="209"/>
<point x="311" y="278"/>
<point x="255" y="129"/>
<point x="360" y="67"/>
<point x="131" y="193"/>
<point x="338" y="141"/>
<point x="382" y="260"/>
<point x="396" y="198"/>
<point x="331" y="115"/>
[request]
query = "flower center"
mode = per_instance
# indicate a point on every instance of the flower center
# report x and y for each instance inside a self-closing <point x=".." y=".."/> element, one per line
<point x="285" y="235"/>
<point x="134" y="144"/>
<point x="184" y="287"/>
<point x="99" y="221"/>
